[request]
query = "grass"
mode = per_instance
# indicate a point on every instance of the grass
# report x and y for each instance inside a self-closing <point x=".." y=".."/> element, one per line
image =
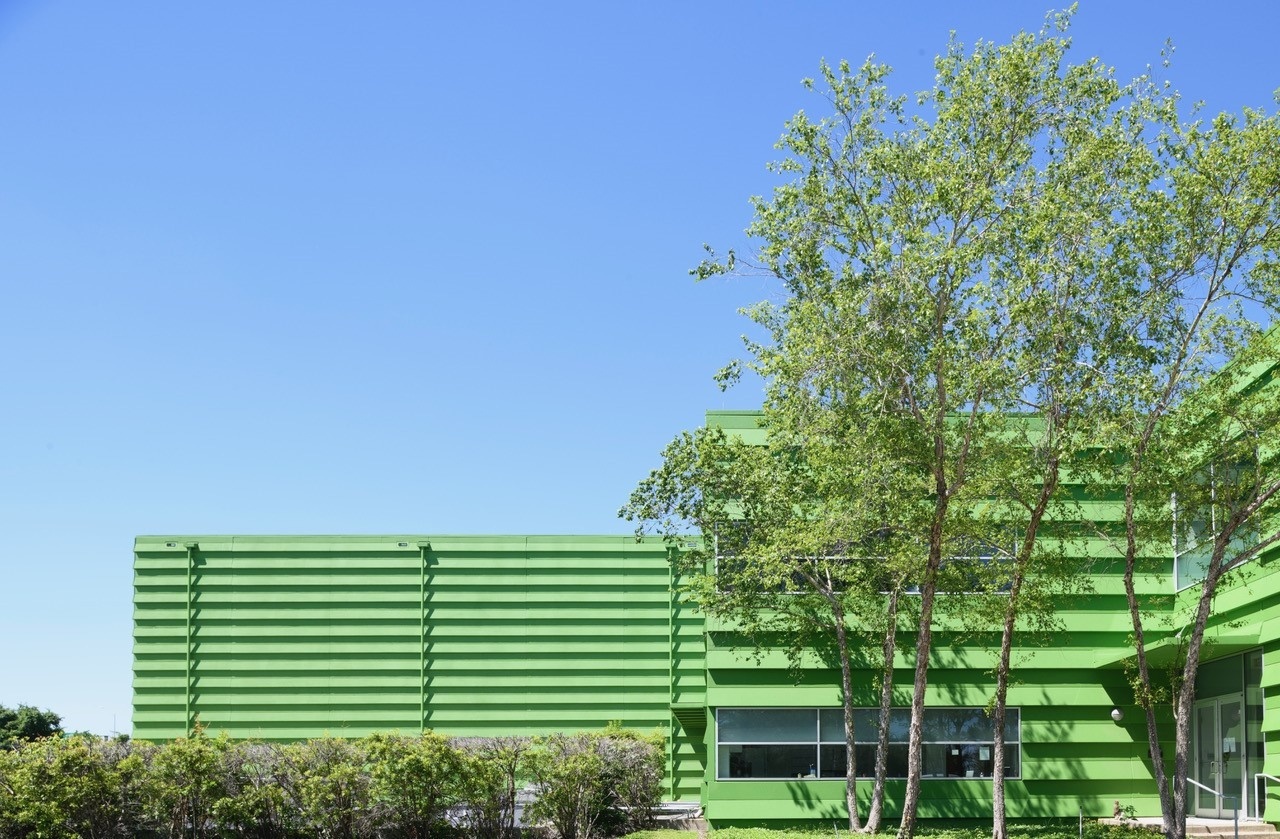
<point x="1067" y="829"/>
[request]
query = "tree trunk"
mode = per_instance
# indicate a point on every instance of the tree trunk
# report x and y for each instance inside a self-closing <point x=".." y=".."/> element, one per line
<point x="999" y="828"/>
<point x="886" y="705"/>
<point x="1184" y="698"/>
<point x="1174" y="828"/>
<point x="924" y="642"/>
<point x="846" y="688"/>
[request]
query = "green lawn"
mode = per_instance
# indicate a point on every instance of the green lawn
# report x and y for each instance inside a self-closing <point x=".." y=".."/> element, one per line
<point x="1059" y="830"/>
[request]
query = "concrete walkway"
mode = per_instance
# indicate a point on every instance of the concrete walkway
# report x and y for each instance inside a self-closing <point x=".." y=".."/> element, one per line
<point x="1197" y="826"/>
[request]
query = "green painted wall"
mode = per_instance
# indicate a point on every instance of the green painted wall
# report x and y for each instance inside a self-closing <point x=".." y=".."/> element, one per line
<point x="1075" y="758"/>
<point x="290" y="637"/>
<point x="296" y="637"/>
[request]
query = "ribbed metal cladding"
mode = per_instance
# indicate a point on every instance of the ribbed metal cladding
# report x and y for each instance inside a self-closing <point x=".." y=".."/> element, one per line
<point x="292" y="637"/>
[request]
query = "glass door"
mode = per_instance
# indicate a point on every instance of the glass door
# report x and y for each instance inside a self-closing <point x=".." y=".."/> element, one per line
<point x="1219" y="756"/>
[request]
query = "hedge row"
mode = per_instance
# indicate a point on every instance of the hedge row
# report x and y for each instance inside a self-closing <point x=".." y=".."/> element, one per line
<point x="386" y="786"/>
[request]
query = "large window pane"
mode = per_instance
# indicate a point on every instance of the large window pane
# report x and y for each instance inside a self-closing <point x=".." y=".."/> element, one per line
<point x="866" y="725"/>
<point x="1012" y="762"/>
<point x="1012" y="728"/>
<point x="943" y="725"/>
<point x="767" y="761"/>
<point x="835" y="760"/>
<point x="768" y="725"/>
<point x="806" y="742"/>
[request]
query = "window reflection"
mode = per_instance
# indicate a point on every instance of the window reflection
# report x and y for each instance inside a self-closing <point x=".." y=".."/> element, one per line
<point x="957" y="743"/>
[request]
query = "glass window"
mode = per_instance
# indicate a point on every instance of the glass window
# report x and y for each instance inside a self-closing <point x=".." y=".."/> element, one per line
<point x="772" y="760"/>
<point x="767" y="725"/>
<point x="866" y="724"/>
<point x="1197" y="523"/>
<point x="808" y="742"/>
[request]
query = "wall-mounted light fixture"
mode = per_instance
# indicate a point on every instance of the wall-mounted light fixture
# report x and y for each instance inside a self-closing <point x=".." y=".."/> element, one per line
<point x="1116" y="715"/>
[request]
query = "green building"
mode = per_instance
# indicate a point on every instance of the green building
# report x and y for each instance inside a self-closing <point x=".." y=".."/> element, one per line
<point x="293" y="637"/>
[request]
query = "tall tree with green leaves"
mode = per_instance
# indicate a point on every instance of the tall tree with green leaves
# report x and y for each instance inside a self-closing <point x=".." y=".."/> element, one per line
<point x="26" y="723"/>
<point x="1194" y="449"/>
<point x="972" y="287"/>
<point x="790" y="553"/>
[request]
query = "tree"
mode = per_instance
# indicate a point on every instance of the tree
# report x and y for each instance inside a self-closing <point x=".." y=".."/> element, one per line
<point x="26" y="723"/>
<point x="1194" y="448"/>
<point x="977" y="290"/>
<point x="792" y="553"/>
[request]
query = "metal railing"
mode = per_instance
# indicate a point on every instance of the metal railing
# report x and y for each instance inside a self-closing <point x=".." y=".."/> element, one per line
<point x="1263" y="797"/>
<point x="1235" y="802"/>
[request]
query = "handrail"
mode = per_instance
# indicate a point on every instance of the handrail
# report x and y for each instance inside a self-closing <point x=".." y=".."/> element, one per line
<point x="1235" y="802"/>
<point x="1256" y="776"/>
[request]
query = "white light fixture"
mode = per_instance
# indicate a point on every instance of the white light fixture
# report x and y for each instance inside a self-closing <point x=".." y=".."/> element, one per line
<point x="1116" y="715"/>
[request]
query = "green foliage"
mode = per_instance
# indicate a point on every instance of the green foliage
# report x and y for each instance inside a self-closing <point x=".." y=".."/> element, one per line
<point x="75" y="787"/>
<point x="386" y="785"/>
<point x="490" y="781"/>
<point x="416" y="780"/>
<point x="255" y="803"/>
<point x="186" y="780"/>
<point x="634" y="764"/>
<point x="595" y="784"/>
<point x="570" y="775"/>
<point x="330" y="786"/>
<point x="26" y="723"/>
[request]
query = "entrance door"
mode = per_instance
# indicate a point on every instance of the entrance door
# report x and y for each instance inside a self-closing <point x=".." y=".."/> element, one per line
<point x="1219" y="756"/>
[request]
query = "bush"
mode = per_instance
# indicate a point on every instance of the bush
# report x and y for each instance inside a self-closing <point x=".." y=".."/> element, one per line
<point x="491" y="780"/>
<point x="329" y="785"/>
<point x="592" y="785"/>
<point x="416" y="781"/>
<point x="599" y="784"/>
<point x="73" y="787"/>
<point x="185" y="781"/>
<point x="634" y="767"/>
<point x="255" y="803"/>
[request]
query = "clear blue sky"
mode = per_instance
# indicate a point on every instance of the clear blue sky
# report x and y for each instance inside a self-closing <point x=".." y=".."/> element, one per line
<point x="398" y="267"/>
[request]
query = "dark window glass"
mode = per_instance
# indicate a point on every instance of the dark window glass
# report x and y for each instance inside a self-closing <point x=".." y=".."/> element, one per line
<point x="767" y="725"/>
<point x="808" y="742"/>
<point x="767" y="761"/>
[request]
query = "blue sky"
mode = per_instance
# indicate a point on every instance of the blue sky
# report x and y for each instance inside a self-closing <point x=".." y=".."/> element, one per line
<point x="398" y="267"/>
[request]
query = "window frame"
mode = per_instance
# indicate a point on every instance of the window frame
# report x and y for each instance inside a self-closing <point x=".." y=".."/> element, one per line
<point x="818" y="742"/>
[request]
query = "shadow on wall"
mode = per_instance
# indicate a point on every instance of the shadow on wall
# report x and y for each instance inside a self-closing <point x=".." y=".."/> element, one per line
<point x="804" y="796"/>
<point x="1057" y="761"/>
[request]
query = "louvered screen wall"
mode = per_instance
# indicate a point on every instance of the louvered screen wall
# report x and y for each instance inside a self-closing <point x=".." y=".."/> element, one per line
<point x="287" y="638"/>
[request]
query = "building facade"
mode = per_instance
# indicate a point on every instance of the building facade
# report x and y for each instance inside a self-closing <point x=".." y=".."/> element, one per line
<point x="284" y="638"/>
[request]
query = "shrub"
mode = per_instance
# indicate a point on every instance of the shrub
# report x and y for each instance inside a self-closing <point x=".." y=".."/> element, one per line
<point x="569" y="772"/>
<point x="255" y="803"/>
<point x="74" y="787"/>
<point x="329" y="785"/>
<point x="596" y="784"/>
<point x="490" y="782"/>
<point x="634" y="767"/>
<point x="185" y="782"/>
<point x="415" y="780"/>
